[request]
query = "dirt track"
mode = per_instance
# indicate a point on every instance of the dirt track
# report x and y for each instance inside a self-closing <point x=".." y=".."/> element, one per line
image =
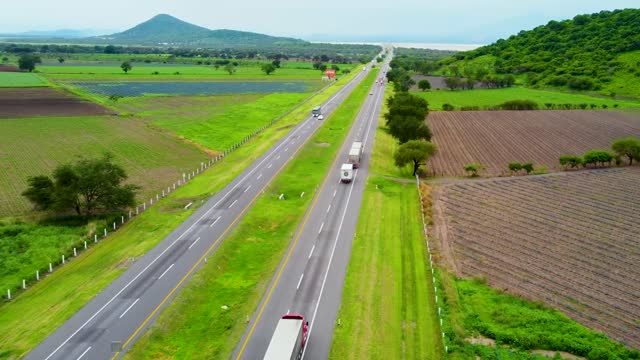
<point x="29" y="102"/>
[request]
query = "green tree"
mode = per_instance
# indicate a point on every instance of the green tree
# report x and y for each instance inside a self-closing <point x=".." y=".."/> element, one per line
<point x="515" y="167"/>
<point x="452" y="82"/>
<point x="473" y="169"/>
<point x="595" y="157"/>
<point x="5" y="59"/>
<point x="627" y="147"/>
<point x="416" y="152"/>
<point x="28" y="62"/>
<point x="126" y="67"/>
<point x="406" y="117"/>
<point x="110" y="49"/>
<point x="268" y="68"/>
<point x="571" y="161"/>
<point x="88" y="186"/>
<point x="230" y="68"/>
<point x="528" y="167"/>
<point x="61" y="60"/>
<point x="424" y="84"/>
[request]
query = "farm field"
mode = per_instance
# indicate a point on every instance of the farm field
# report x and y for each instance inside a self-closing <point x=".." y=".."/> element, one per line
<point x="29" y="102"/>
<point x="140" y="88"/>
<point x="485" y="98"/>
<point x="568" y="240"/>
<point x="11" y="79"/>
<point x="34" y="146"/>
<point x="214" y="122"/>
<point x="496" y="138"/>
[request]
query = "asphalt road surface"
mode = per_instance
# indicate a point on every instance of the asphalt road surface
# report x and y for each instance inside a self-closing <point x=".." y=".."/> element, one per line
<point x="310" y="277"/>
<point x="122" y="311"/>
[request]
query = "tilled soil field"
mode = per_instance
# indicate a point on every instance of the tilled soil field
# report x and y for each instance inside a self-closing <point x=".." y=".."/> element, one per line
<point x="496" y="138"/>
<point x="29" y="102"/>
<point x="570" y="240"/>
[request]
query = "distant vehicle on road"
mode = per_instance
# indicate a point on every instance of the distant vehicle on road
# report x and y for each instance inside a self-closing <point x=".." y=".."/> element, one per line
<point x="355" y="154"/>
<point x="317" y="111"/>
<point x="321" y="117"/>
<point x="346" y="173"/>
<point x="289" y="338"/>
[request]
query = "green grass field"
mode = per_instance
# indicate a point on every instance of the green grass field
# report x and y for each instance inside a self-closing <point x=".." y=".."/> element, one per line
<point x="473" y="309"/>
<point x="19" y="79"/>
<point x="219" y="127"/>
<point x="28" y="319"/>
<point x="194" y="326"/>
<point x="492" y="97"/>
<point x="145" y="72"/>
<point x="387" y="309"/>
<point x="34" y="146"/>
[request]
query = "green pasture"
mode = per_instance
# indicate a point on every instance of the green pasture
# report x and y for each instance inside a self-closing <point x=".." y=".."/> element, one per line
<point x="194" y="325"/>
<point x="27" y="320"/>
<point x="20" y="79"/>
<point x="35" y="146"/>
<point x="485" y="98"/>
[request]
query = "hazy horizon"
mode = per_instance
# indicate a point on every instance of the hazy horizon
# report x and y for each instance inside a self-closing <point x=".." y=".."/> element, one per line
<point x="408" y="21"/>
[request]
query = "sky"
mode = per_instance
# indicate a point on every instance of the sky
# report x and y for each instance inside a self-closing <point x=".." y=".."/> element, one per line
<point x="440" y="21"/>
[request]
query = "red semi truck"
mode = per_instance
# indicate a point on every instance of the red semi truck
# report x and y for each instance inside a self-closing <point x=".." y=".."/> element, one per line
<point x="289" y="338"/>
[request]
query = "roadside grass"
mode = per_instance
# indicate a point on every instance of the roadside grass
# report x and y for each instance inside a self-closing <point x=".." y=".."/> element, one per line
<point x="485" y="98"/>
<point x="387" y="309"/>
<point x="29" y="318"/>
<point x="20" y="79"/>
<point x="35" y="146"/>
<point x="194" y="325"/>
<point x="516" y="324"/>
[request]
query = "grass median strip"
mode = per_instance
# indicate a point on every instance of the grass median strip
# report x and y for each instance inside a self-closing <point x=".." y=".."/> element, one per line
<point x="30" y="318"/>
<point x="195" y="325"/>
<point x="387" y="309"/>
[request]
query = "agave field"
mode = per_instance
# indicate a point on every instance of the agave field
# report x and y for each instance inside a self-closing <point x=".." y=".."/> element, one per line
<point x="570" y="240"/>
<point x="140" y="88"/>
<point x="496" y="138"/>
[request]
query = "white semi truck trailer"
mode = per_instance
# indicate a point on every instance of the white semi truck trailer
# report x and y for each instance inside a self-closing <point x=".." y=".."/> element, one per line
<point x="289" y="338"/>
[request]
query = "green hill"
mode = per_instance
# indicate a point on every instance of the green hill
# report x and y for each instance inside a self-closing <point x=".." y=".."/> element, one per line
<point x="167" y="30"/>
<point x="598" y="52"/>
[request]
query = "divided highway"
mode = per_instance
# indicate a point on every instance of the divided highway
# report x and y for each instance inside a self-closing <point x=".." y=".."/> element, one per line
<point x="310" y="278"/>
<point x="107" y="326"/>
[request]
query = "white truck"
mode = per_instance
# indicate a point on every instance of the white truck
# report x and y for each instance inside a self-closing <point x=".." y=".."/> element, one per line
<point x="355" y="154"/>
<point x="289" y="338"/>
<point x="346" y="173"/>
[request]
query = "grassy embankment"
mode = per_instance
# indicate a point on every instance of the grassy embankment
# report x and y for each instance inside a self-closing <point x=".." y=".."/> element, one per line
<point x="485" y="98"/>
<point x="388" y="309"/>
<point x="195" y="326"/>
<point x="31" y="317"/>
<point x="521" y="329"/>
<point x="19" y="79"/>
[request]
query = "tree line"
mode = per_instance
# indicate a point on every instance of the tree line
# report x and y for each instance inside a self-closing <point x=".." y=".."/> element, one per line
<point x="625" y="149"/>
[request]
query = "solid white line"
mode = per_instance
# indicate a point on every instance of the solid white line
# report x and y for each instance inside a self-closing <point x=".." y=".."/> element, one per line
<point x="233" y="203"/>
<point x="247" y="189"/>
<point x="311" y="253"/>
<point x="130" y="306"/>
<point x="84" y="353"/>
<point x="321" y="226"/>
<point x="190" y="246"/>
<point x="215" y="221"/>
<point x="309" y="121"/>
<point x="169" y="268"/>
<point x="300" y="281"/>
<point x="329" y="208"/>
<point x="269" y="167"/>
<point x="326" y="274"/>
<point x="259" y="176"/>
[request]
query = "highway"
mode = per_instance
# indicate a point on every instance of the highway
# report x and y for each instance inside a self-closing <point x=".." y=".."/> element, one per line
<point x="310" y="277"/>
<point x="120" y="313"/>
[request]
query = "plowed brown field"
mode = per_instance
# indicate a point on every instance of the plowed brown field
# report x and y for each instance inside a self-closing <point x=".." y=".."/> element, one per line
<point x="571" y="240"/>
<point x="496" y="138"/>
<point x="29" y="102"/>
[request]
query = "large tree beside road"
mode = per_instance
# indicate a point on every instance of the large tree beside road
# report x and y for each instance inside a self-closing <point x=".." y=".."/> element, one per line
<point x="415" y="152"/>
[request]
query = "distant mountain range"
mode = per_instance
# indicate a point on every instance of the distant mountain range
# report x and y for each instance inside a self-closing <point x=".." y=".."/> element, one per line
<point x="164" y="30"/>
<point x="61" y="33"/>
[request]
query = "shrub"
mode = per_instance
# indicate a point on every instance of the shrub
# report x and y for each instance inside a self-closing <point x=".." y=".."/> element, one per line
<point x="448" y="107"/>
<point x="519" y="105"/>
<point x="528" y="167"/>
<point x="571" y="161"/>
<point x="515" y="167"/>
<point x="473" y="169"/>
<point x="595" y="157"/>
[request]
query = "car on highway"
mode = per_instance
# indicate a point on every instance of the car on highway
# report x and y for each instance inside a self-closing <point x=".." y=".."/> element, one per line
<point x="321" y="117"/>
